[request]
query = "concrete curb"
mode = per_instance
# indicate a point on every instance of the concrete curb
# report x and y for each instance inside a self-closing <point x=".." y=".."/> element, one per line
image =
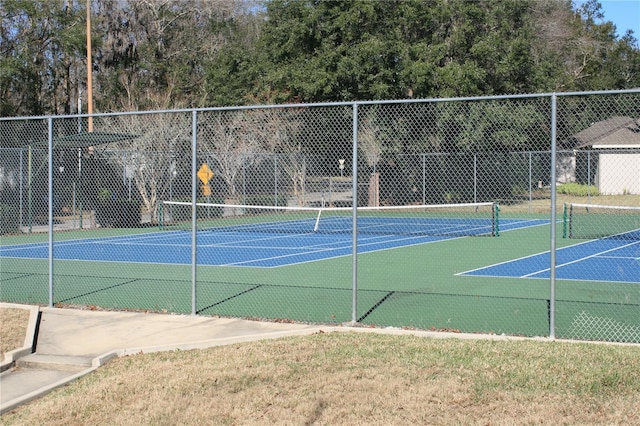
<point x="204" y="344"/>
<point x="10" y="405"/>
<point x="29" y="339"/>
<point x="28" y="348"/>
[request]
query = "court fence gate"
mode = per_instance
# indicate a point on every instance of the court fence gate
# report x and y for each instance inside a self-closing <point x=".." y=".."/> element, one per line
<point x="515" y="215"/>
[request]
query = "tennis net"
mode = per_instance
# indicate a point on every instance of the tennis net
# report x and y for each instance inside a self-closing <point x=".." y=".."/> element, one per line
<point x="473" y="219"/>
<point x="592" y="221"/>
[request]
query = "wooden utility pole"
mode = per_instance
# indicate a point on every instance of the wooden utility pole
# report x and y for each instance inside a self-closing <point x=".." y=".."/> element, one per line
<point x="89" y="69"/>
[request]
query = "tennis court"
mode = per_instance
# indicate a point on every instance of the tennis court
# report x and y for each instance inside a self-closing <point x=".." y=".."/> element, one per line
<point x="266" y="243"/>
<point x="404" y="279"/>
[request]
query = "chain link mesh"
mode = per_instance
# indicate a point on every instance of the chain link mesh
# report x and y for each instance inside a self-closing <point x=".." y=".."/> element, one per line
<point x="159" y="211"/>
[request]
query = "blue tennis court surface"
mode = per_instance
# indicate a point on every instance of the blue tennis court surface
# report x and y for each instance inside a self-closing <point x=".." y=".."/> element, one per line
<point x="238" y="247"/>
<point x="221" y="248"/>
<point x="598" y="260"/>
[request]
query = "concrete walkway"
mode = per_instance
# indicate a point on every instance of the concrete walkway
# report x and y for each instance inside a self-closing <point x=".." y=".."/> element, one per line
<point x="71" y="343"/>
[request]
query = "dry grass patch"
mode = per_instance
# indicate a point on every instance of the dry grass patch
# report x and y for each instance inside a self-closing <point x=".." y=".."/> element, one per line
<point x="13" y="328"/>
<point x="354" y="378"/>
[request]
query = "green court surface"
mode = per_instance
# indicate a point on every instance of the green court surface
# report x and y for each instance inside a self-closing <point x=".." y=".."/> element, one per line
<point x="412" y="287"/>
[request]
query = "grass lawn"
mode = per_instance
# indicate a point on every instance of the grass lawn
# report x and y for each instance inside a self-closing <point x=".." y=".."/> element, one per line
<point x="13" y="328"/>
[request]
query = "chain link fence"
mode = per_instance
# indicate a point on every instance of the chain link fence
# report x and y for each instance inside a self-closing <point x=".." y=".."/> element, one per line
<point x="511" y="215"/>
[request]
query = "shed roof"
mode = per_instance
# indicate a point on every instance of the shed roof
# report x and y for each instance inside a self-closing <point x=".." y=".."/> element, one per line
<point x="614" y="132"/>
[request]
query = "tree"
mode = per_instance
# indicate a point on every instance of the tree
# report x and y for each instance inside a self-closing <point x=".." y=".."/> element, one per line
<point x="155" y="53"/>
<point x="369" y="140"/>
<point x="240" y="139"/>
<point x="327" y="50"/>
<point x="149" y="157"/>
<point x="280" y="131"/>
<point x="578" y="53"/>
<point x="228" y="137"/>
<point x="360" y="50"/>
<point x="42" y="45"/>
<point x="234" y="69"/>
<point x="386" y="49"/>
<point x="197" y="53"/>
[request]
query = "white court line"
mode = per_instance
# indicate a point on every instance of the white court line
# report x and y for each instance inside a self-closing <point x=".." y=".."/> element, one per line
<point x="621" y="257"/>
<point x="579" y="260"/>
<point x="540" y="254"/>
<point x="349" y="246"/>
<point x="515" y="224"/>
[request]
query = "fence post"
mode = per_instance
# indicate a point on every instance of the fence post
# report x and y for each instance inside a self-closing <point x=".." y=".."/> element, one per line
<point x="29" y="190"/>
<point x="530" y="184"/>
<point x="354" y="204"/>
<point x="275" y="178"/>
<point x="589" y="176"/>
<point x="194" y="224"/>
<point x="50" y="209"/>
<point x="424" y="179"/>
<point x="21" y="189"/>
<point x="552" y="266"/>
<point x="475" y="177"/>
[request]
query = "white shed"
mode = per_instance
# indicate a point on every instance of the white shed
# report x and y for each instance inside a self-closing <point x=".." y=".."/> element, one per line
<point x="615" y="146"/>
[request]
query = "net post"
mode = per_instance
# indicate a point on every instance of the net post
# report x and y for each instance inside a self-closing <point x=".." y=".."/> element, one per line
<point x="496" y="220"/>
<point x="160" y="215"/>
<point x="570" y="220"/>
<point x="564" y="221"/>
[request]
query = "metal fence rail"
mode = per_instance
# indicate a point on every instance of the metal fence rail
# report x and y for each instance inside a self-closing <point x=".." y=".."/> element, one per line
<point x="84" y="220"/>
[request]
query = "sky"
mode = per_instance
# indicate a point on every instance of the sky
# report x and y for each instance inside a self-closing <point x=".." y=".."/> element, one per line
<point x="625" y="14"/>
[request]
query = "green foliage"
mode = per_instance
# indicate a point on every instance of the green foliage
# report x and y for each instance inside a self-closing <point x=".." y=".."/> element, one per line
<point x="577" y="190"/>
<point x="302" y="51"/>
<point x="512" y="125"/>
<point x="42" y="47"/>
<point x="326" y="51"/>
